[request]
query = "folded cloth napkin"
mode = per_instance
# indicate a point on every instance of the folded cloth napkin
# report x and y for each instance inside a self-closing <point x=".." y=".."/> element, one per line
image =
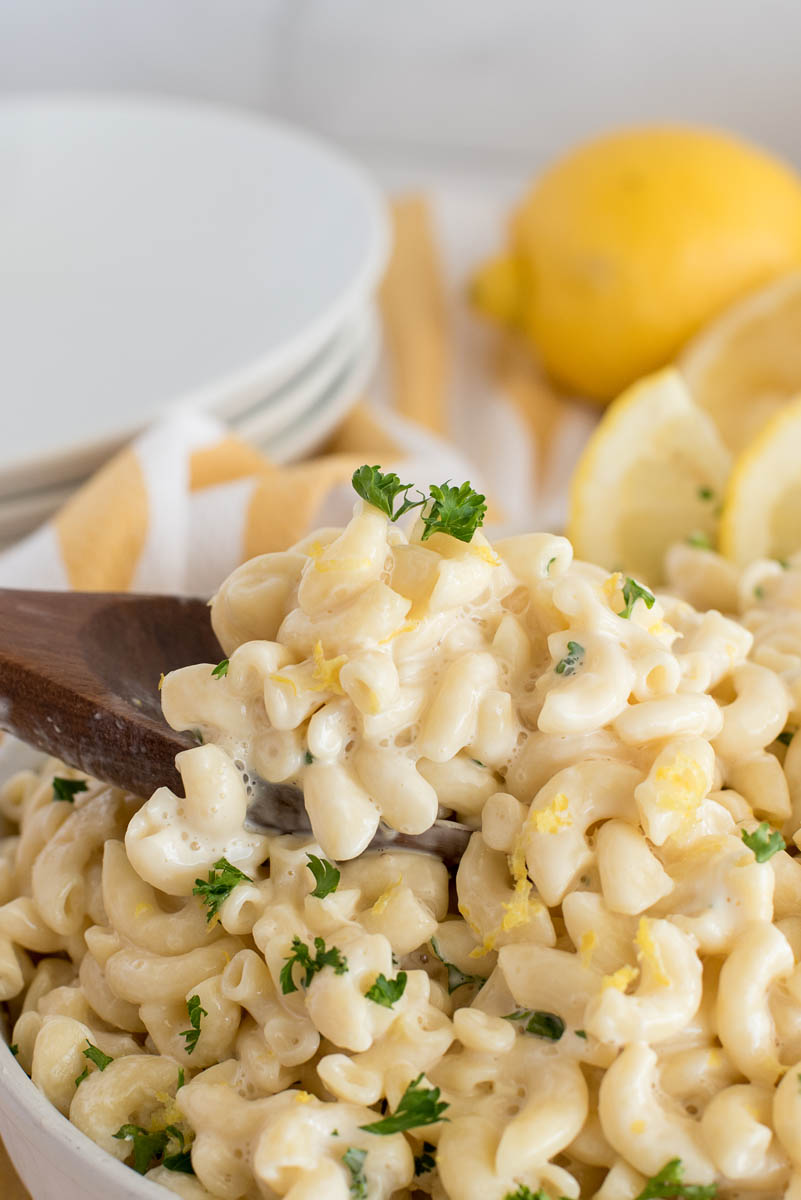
<point x="186" y="502"/>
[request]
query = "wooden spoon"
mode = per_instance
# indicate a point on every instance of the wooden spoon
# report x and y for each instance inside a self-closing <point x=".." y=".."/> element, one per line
<point x="79" y="676"/>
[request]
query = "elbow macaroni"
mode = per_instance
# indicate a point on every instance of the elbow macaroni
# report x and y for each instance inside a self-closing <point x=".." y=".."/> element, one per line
<point x="613" y="981"/>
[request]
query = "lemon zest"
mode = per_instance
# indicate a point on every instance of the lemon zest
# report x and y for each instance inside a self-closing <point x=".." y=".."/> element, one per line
<point x="316" y="553"/>
<point x="637" y="1126"/>
<point x="161" y="681"/>
<point x="714" y="1058"/>
<point x="611" y="586"/>
<point x="587" y="946"/>
<point x="286" y="680"/>
<point x="554" y="817"/>
<point x="385" y="897"/>
<point x="407" y="627"/>
<point x="487" y="553"/>
<point x="142" y="908"/>
<point x="302" y="1097"/>
<point x="680" y="786"/>
<point x="649" y="952"/>
<point x="326" y="671"/>
<point x="621" y="978"/>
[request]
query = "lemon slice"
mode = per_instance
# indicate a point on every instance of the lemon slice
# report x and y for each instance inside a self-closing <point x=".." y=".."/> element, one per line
<point x="652" y="474"/>
<point x="761" y="515"/>
<point x="746" y="365"/>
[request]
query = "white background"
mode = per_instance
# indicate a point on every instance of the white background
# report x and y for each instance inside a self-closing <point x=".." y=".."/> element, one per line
<point x="486" y="86"/>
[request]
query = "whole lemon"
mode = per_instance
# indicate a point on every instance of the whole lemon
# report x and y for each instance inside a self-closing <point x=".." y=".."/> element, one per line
<point x="630" y="243"/>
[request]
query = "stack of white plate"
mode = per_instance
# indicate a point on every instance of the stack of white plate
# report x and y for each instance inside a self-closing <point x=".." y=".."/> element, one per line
<point x="157" y="253"/>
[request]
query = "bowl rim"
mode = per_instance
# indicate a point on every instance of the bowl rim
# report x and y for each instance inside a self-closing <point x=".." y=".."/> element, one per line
<point x="22" y="1103"/>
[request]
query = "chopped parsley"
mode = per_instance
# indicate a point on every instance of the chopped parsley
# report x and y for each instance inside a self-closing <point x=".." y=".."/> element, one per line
<point x="95" y="1055"/>
<point x="764" y="841"/>
<point x="417" y="1106"/>
<point x="667" y="1184"/>
<point x="197" y="737"/>
<point x="148" y="1147"/>
<point x="541" y="1024"/>
<point x="699" y="540"/>
<point x="180" y="1078"/>
<point x="632" y="592"/>
<point x="425" y="1162"/>
<point x="549" y="564"/>
<point x="582" y="1033"/>
<point x="326" y="876"/>
<point x="706" y="493"/>
<point x="221" y="669"/>
<point x="759" y="592"/>
<point x="457" y="511"/>
<point x="223" y="878"/>
<point x="525" y="1193"/>
<point x="67" y="789"/>
<point x="14" y="1048"/>
<point x="353" y="1159"/>
<point x="572" y="660"/>
<point x="190" y="1036"/>
<point x="456" y="977"/>
<point x="386" y="991"/>
<point x="308" y="758"/>
<point x="786" y="736"/>
<point x="301" y="956"/>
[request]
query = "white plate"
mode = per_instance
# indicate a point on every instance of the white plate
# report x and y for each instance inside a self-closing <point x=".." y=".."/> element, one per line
<point x="283" y="407"/>
<point x="157" y="250"/>
<point x="314" y="426"/>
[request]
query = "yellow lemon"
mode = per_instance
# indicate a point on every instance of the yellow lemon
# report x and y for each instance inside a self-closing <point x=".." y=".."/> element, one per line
<point x="747" y="364"/>
<point x="628" y="245"/>
<point x="653" y="473"/>
<point x="761" y="515"/>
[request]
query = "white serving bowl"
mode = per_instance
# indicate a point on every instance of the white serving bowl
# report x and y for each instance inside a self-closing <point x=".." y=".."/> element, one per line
<point x="53" y="1159"/>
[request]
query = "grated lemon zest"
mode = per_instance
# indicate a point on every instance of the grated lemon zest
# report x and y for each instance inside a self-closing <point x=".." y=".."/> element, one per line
<point x="408" y="627"/>
<point x="326" y="671"/>
<point x="621" y="979"/>
<point x="637" y="1126"/>
<point x="302" y="1097"/>
<point x="611" y="586"/>
<point x="142" y="908"/>
<point x="714" y="1059"/>
<point x="286" y="680"/>
<point x="680" y="786"/>
<point x="587" y="946"/>
<point x="487" y="553"/>
<point x="486" y="947"/>
<point x="385" y="897"/>
<point x="649" y="952"/>
<point x="161" y="681"/>
<point x="170" y="1113"/>
<point x="554" y="817"/>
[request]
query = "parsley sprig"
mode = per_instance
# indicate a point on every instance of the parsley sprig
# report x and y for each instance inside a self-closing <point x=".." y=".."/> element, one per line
<point x="572" y="660"/>
<point x="221" y="669"/>
<point x="195" y="1011"/>
<point x="149" y="1146"/>
<point x="456" y="977"/>
<point x="301" y="956"/>
<point x="353" y="1158"/>
<point x="386" y="991"/>
<point x="326" y="876"/>
<point x="541" y="1024"/>
<point x="223" y="878"/>
<point x="95" y="1055"/>
<point x="764" y="841"/>
<point x="667" y="1184"/>
<point x="67" y="789"/>
<point x="632" y="592"/>
<point x="457" y="511"/>
<point x="417" y="1106"/>
<point x="525" y="1193"/>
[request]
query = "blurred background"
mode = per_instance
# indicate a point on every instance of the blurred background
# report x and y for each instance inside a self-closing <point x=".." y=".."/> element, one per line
<point x="417" y="88"/>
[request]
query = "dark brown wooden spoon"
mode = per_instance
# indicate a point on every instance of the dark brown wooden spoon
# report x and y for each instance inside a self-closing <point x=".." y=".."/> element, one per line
<point x="79" y="676"/>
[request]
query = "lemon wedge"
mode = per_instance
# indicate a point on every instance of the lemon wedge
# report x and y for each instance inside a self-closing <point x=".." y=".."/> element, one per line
<point x="653" y="473"/>
<point x="761" y="515"/>
<point x="746" y="365"/>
